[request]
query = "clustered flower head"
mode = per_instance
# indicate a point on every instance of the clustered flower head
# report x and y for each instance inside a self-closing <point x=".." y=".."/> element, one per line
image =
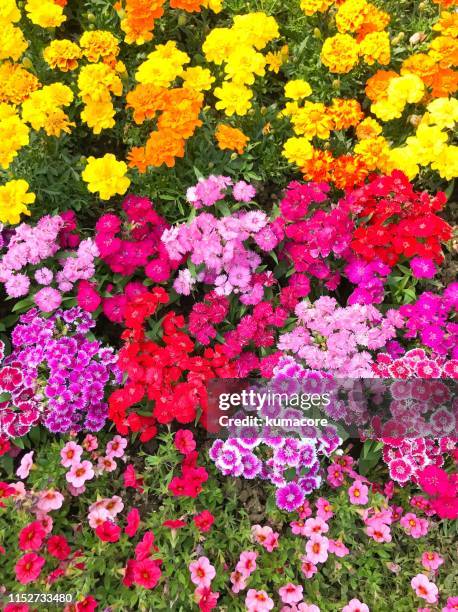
<point x="56" y="374"/>
<point x="222" y="252"/>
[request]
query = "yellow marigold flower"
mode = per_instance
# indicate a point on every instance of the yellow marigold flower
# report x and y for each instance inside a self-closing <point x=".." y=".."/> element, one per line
<point x="14" y="134"/>
<point x="350" y="15"/>
<point x="42" y="109"/>
<point x="6" y="111"/>
<point x="444" y="51"/>
<point x="345" y="113"/>
<point x="163" y="65"/>
<point x="298" y="151"/>
<point x="106" y="176"/>
<point x="446" y="162"/>
<point x="427" y="143"/>
<point x="256" y="29"/>
<point x="62" y="54"/>
<point x="443" y="112"/>
<point x="214" y="5"/>
<point x="98" y="115"/>
<point x="230" y="138"/>
<point x="310" y="7"/>
<point x="368" y="128"/>
<point x="233" y="98"/>
<point x="297" y="89"/>
<point x="340" y="53"/>
<point x="14" y="197"/>
<point x="9" y="12"/>
<point x="403" y="158"/>
<point x="99" y="45"/>
<point x="45" y="13"/>
<point x="16" y="83"/>
<point x="373" y="152"/>
<point x="274" y="61"/>
<point x="408" y="88"/>
<point x="12" y="41"/>
<point x="388" y="109"/>
<point x="312" y="120"/>
<point x="447" y="24"/>
<point x="375" y="47"/>
<point x="220" y="44"/>
<point x="97" y="81"/>
<point x="197" y="78"/>
<point x="243" y="64"/>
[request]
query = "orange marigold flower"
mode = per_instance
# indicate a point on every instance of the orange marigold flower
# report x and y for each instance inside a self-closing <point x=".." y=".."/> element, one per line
<point x="16" y="83"/>
<point x="444" y="50"/>
<point x="444" y="82"/>
<point x="163" y="147"/>
<point x="345" y="113"/>
<point x="348" y="171"/>
<point x="377" y="85"/>
<point x="190" y="6"/>
<point x="375" y="20"/>
<point x="60" y="2"/>
<point x="446" y="3"/>
<point x="230" y="138"/>
<point x="138" y="23"/>
<point x="369" y="128"/>
<point x="318" y="167"/>
<point x="447" y="24"/>
<point x="146" y="100"/>
<point x="420" y="64"/>
<point x="137" y="159"/>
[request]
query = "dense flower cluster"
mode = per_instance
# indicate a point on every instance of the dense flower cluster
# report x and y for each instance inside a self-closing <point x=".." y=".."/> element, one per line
<point x="56" y="374"/>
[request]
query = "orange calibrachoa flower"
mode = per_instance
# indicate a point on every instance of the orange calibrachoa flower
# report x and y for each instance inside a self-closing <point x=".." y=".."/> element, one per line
<point x="230" y="138"/>
<point x="16" y="83"/>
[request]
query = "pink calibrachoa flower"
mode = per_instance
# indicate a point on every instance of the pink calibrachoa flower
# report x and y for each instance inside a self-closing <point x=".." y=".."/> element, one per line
<point x="133" y="521"/>
<point x="451" y="605"/>
<point x="146" y="573"/>
<point x="28" y="567"/>
<point x="106" y="464"/>
<point x="26" y="464"/>
<point x="431" y="560"/>
<point x="378" y="531"/>
<point x="358" y="493"/>
<point x="50" y="500"/>
<point x="414" y="526"/>
<point x="184" y="441"/>
<point x="298" y="527"/>
<point x="424" y="588"/>
<point x="116" y="447"/>
<point x="97" y="517"/>
<point x="90" y="443"/>
<point x="306" y="607"/>
<point x="324" y="509"/>
<point x="71" y="454"/>
<point x="207" y="599"/>
<point x="354" y="605"/>
<point x="258" y="601"/>
<point x="317" y="548"/>
<point x="335" y="475"/>
<point x="246" y="563"/>
<point x="308" y="568"/>
<point x="290" y="593"/>
<point x="315" y="525"/>
<point x="265" y="536"/>
<point x="238" y="581"/>
<point x="202" y="572"/>
<point x="31" y="536"/>
<point x="79" y="473"/>
<point x="338" y="548"/>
